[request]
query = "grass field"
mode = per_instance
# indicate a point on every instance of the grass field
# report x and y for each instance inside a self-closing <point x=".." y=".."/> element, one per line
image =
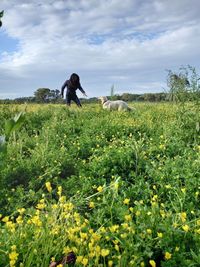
<point x="114" y="188"/>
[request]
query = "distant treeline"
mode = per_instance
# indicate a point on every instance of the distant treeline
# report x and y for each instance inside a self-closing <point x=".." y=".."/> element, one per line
<point x="45" y="95"/>
<point x="183" y="86"/>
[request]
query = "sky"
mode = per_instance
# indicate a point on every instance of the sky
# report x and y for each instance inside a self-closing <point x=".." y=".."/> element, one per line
<point x="127" y="44"/>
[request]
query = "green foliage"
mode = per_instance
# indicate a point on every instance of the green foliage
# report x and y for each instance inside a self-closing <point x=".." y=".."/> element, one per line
<point x="44" y="95"/>
<point x="130" y="186"/>
<point x="11" y="126"/>
<point x="184" y="86"/>
<point x="1" y="15"/>
<point x="14" y="124"/>
<point x="184" y="89"/>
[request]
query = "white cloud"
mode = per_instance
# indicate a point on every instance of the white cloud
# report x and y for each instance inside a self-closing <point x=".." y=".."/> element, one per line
<point x="128" y="43"/>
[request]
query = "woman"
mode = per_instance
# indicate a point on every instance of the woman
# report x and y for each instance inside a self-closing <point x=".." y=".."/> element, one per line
<point x="72" y="85"/>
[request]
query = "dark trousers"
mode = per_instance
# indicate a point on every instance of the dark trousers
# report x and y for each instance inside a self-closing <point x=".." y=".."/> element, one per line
<point x="74" y="97"/>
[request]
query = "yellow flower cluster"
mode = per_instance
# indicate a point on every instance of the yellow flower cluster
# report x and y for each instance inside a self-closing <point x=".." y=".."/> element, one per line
<point x="48" y="186"/>
<point x="13" y="256"/>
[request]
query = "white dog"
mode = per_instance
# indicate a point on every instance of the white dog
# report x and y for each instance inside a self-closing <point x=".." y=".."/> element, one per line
<point x="113" y="105"/>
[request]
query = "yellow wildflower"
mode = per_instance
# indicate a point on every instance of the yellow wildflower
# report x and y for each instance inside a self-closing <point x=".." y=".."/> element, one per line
<point x="36" y="220"/>
<point x="160" y="235"/>
<point x="155" y="198"/>
<point x="168" y="255"/>
<point x="114" y="228"/>
<point x="85" y="261"/>
<point x="126" y="201"/>
<point x="116" y="247"/>
<point x="48" y="186"/>
<point x="105" y="252"/>
<point x="110" y="263"/>
<point x="79" y="259"/>
<point x="5" y="219"/>
<point x="11" y="226"/>
<point x="97" y="250"/>
<point x="19" y="219"/>
<point x="102" y="229"/>
<point x="100" y="188"/>
<point x="149" y="231"/>
<point x="131" y="209"/>
<point x="183" y="216"/>
<point x="96" y="237"/>
<point x="162" y="213"/>
<point x="13" y="258"/>
<point x="83" y="235"/>
<point x="21" y="211"/>
<point x="152" y="263"/>
<point x="186" y="228"/>
<point x="128" y="217"/>
<point x="183" y="190"/>
<point x="91" y="204"/>
<point x="197" y="231"/>
<point x="62" y="199"/>
<point x="40" y="206"/>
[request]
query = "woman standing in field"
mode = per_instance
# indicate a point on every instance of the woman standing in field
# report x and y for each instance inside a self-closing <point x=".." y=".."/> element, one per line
<point x="72" y="85"/>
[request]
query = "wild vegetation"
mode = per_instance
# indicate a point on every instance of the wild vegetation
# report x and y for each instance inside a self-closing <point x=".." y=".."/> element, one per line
<point x="1" y="15"/>
<point x="114" y="188"/>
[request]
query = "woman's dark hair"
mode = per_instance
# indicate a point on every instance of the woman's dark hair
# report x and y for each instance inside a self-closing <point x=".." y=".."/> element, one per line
<point x="74" y="79"/>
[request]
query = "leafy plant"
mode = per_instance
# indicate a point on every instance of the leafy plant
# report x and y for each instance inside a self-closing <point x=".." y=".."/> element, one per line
<point x="115" y="189"/>
<point x="1" y="15"/>
<point x="11" y="126"/>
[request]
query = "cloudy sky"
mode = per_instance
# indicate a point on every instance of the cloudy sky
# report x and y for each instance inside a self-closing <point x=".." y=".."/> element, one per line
<point x="129" y="44"/>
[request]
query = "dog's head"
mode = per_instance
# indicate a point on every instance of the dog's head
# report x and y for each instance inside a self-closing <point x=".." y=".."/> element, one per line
<point x="103" y="99"/>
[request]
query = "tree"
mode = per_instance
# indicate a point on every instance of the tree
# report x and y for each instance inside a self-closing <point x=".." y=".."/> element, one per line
<point x="42" y="95"/>
<point x="54" y="95"/>
<point x="178" y="85"/>
<point x="1" y="15"/>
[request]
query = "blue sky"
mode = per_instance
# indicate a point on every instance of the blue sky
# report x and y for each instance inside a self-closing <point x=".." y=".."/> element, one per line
<point x="8" y="44"/>
<point x="129" y="44"/>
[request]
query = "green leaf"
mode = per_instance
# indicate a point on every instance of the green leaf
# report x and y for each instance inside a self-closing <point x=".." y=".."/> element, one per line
<point x="18" y="119"/>
<point x="14" y="124"/>
<point x="9" y="124"/>
<point x="1" y="14"/>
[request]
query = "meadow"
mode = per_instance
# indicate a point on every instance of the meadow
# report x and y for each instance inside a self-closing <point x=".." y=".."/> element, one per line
<point x="111" y="188"/>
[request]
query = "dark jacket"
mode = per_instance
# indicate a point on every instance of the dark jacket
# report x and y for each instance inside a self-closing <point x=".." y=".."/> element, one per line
<point x="71" y="89"/>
